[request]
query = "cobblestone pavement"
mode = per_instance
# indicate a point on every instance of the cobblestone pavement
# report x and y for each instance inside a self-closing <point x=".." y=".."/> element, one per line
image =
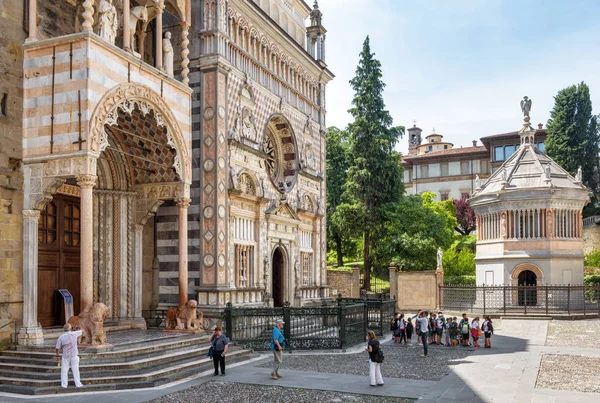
<point x="228" y="392"/>
<point x="567" y="333"/>
<point x="400" y="362"/>
<point x="564" y="372"/>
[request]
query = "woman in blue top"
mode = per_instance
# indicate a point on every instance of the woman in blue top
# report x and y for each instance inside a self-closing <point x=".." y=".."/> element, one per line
<point x="220" y="345"/>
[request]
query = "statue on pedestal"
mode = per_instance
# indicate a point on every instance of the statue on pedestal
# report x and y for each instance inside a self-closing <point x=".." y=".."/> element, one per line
<point x="108" y="22"/>
<point x="439" y="259"/>
<point x="167" y="54"/>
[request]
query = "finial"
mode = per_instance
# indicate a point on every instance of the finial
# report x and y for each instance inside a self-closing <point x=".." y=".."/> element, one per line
<point x="433" y="130"/>
<point x="579" y="174"/>
<point x="415" y="123"/>
<point x="316" y="5"/>
<point x="526" y="109"/>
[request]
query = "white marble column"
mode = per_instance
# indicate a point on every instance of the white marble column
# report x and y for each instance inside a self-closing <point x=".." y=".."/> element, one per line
<point x="32" y="22"/>
<point x="88" y="16"/>
<point x="126" y="28"/>
<point x="183" y="204"/>
<point x="31" y="332"/>
<point x="160" y="7"/>
<point x="86" y="183"/>
<point x="137" y="270"/>
<point x="185" y="52"/>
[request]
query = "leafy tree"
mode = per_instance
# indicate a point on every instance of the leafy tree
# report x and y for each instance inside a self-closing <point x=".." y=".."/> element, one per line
<point x="572" y="136"/>
<point x="338" y="162"/>
<point x="465" y="216"/>
<point x="413" y="242"/>
<point x="458" y="262"/>
<point x="375" y="174"/>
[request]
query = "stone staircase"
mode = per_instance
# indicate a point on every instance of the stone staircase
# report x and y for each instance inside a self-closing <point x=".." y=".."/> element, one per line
<point x="128" y="365"/>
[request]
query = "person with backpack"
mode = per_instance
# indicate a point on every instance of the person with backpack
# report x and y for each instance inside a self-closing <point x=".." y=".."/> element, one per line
<point x="401" y="329"/>
<point x="453" y="330"/>
<point x="432" y="332"/>
<point x="409" y="331"/>
<point x="464" y="330"/>
<point x="394" y="328"/>
<point x="488" y="330"/>
<point x="475" y="332"/>
<point x="439" y="327"/>
<point x="375" y="359"/>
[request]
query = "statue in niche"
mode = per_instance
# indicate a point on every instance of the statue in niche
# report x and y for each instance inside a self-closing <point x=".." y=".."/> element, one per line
<point x="235" y="133"/>
<point x="136" y="14"/>
<point x="108" y="22"/>
<point x="503" y="226"/>
<point x="248" y="130"/>
<point x="167" y="54"/>
<point x="298" y="274"/>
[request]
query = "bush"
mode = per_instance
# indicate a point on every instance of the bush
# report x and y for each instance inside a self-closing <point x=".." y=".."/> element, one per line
<point x="592" y="259"/>
<point x="593" y="279"/>
<point x="458" y="262"/>
<point x="459" y="280"/>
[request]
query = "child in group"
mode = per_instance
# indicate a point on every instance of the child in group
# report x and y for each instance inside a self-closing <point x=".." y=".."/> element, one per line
<point x="409" y="332"/>
<point x="475" y="331"/>
<point x="454" y="332"/>
<point x="447" y="331"/>
<point x="464" y="330"/>
<point x="439" y="327"/>
<point x="488" y="330"/>
<point x="402" y="329"/>
<point x="432" y="328"/>
<point x="394" y="328"/>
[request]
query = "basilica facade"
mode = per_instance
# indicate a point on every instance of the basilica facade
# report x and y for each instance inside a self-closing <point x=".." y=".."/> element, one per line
<point x="159" y="151"/>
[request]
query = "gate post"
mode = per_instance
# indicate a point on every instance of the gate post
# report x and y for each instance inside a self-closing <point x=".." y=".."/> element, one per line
<point x="569" y="299"/>
<point x="342" y="321"/>
<point x="287" y="324"/>
<point x="546" y="300"/>
<point x="228" y="321"/>
<point x="483" y="288"/>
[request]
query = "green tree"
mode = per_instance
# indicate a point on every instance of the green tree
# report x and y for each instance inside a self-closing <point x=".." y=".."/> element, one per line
<point x="572" y="136"/>
<point x="337" y="156"/>
<point x="413" y="242"/>
<point x="375" y="173"/>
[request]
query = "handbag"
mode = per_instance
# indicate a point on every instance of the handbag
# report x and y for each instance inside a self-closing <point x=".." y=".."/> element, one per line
<point x="210" y="352"/>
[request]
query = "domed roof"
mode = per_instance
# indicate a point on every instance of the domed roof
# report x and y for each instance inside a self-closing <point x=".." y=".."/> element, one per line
<point x="529" y="169"/>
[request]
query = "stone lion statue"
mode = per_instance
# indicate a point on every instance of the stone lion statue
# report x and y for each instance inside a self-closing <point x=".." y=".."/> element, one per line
<point x="184" y="318"/>
<point x="91" y="323"/>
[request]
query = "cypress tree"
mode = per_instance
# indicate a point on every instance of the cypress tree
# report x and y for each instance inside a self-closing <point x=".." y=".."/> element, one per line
<point x="572" y="136"/>
<point x="375" y="174"/>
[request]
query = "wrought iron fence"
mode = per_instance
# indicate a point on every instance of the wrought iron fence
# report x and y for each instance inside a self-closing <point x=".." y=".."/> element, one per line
<point x="309" y="328"/>
<point x="527" y="300"/>
<point x="155" y="317"/>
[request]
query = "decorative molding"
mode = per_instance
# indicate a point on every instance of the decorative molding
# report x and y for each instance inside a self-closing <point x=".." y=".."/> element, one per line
<point x="69" y="190"/>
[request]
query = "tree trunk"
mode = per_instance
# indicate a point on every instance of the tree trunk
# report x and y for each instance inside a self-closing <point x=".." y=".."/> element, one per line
<point x="366" y="264"/>
<point x="338" y="251"/>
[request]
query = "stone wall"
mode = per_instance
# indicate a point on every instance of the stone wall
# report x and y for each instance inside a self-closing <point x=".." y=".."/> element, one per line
<point x="346" y="283"/>
<point x="11" y="178"/>
<point x="591" y="239"/>
<point x="415" y="290"/>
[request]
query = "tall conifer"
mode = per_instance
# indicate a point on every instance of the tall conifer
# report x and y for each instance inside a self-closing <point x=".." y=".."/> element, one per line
<point x="375" y="174"/>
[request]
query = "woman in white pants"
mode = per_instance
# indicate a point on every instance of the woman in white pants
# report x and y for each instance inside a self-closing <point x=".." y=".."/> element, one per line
<point x="374" y="367"/>
<point x="68" y="343"/>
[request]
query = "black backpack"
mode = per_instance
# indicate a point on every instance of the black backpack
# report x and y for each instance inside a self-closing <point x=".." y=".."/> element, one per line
<point x="394" y="326"/>
<point x="379" y="355"/>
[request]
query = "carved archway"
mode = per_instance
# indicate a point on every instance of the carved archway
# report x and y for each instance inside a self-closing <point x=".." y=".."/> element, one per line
<point x="524" y="267"/>
<point x="126" y="98"/>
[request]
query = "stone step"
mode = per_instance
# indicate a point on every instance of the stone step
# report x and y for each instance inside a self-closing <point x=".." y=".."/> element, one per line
<point x="111" y="352"/>
<point x="90" y="388"/>
<point x="134" y="376"/>
<point x="33" y="370"/>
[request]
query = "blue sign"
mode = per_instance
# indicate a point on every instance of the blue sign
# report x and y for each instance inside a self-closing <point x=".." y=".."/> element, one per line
<point x="66" y="295"/>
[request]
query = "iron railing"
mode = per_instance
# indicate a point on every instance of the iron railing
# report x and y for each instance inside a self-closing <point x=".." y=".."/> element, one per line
<point x="589" y="221"/>
<point x="309" y="328"/>
<point x="522" y="299"/>
<point x="155" y="317"/>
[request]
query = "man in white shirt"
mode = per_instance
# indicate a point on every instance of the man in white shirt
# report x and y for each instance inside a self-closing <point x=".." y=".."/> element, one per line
<point x="68" y="343"/>
<point x="422" y="323"/>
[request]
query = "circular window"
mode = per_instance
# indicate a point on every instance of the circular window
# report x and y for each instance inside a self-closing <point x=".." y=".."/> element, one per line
<point x="280" y="147"/>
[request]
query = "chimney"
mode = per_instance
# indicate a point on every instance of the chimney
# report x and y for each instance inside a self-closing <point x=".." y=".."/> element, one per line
<point x="540" y="126"/>
<point x="474" y="143"/>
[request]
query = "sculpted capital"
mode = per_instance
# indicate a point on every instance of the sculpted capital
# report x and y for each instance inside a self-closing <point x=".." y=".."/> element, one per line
<point x="86" y="181"/>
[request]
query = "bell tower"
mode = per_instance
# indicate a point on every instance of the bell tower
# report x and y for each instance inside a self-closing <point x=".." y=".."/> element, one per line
<point x="414" y="139"/>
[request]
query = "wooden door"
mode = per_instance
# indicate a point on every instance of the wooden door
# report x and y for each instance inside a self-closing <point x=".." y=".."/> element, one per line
<point x="58" y="256"/>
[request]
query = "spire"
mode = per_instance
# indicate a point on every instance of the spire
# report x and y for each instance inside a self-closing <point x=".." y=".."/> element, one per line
<point x="527" y="133"/>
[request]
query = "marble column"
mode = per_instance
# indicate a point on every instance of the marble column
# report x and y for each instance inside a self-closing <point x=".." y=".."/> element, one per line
<point x="31" y="332"/>
<point x="155" y="283"/>
<point x="32" y="22"/>
<point x="138" y="246"/>
<point x="185" y="61"/>
<point x="141" y="40"/>
<point x="88" y="16"/>
<point x="86" y="183"/>
<point x="126" y="37"/>
<point x="160" y="7"/>
<point x="183" y="204"/>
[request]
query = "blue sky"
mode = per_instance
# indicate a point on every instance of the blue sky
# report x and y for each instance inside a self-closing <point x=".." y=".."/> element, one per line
<point x="462" y="66"/>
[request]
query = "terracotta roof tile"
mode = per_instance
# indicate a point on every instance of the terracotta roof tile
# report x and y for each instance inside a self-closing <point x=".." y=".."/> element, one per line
<point x="452" y="151"/>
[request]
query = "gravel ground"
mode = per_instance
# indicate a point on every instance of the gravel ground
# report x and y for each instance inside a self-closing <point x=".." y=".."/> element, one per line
<point x="581" y="333"/>
<point x="230" y="392"/>
<point x="566" y="372"/>
<point x="400" y="362"/>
